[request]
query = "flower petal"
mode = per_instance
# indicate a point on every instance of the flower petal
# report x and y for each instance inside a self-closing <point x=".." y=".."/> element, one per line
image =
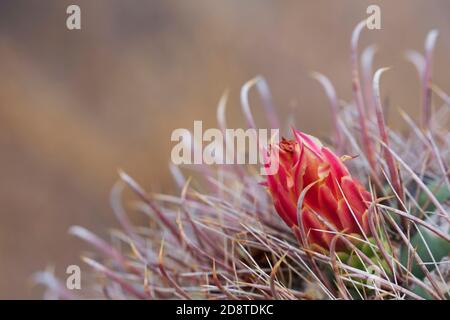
<point x="310" y="142"/>
<point x="315" y="229"/>
<point x="345" y="216"/>
<point x="353" y="195"/>
<point x="329" y="206"/>
<point x="337" y="166"/>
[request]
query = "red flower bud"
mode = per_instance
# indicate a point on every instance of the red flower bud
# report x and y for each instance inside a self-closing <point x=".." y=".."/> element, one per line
<point x="332" y="201"/>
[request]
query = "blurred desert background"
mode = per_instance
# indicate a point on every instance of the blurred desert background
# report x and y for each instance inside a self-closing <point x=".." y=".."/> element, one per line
<point x="77" y="105"/>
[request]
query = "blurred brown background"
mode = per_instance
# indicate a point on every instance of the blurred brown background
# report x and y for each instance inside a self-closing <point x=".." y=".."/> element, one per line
<point x="77" y="105"/>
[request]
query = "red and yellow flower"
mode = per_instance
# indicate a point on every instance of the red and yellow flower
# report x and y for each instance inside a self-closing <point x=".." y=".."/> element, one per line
<point x="332" y="200"/>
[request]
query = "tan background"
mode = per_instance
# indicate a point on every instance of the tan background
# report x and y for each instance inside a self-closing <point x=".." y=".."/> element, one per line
<point x="76" y="105"/>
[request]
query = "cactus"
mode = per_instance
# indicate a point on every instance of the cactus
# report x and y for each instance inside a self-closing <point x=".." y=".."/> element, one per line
<point x="373" y="227"/>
